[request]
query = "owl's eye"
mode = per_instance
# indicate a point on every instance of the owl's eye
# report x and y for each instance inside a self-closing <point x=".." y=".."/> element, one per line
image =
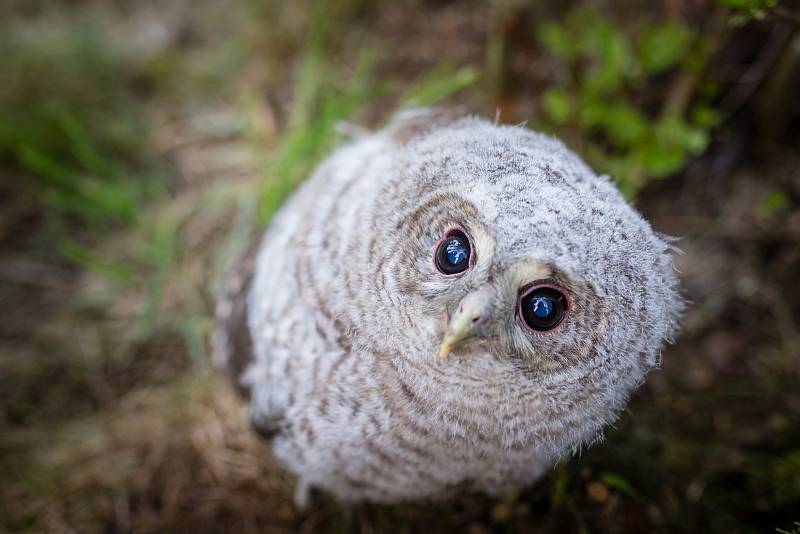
<point x="543" y="307"/>
<point x="453" y="253"/>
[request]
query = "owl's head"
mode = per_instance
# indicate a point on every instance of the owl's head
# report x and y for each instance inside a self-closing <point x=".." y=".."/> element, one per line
<point x="498" y="248"/>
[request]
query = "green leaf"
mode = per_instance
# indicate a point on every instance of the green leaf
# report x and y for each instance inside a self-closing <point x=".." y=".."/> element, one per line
<point x="592" y="112"/>
<point x="611" y="59"/>
<point x="624" y="124"/>
<point x="696" y="141"/>
<point x="557" y="104"/>
<point x="613" y="480"/>
<point x="48" y="169"/>
<point x="81" y="255"/>
<point x="662" y="47"/>
<point x="661" y="160"/>
<point x="705" y="116"/>
<point x="674" y="131"/>
<point x="744" y="10"/>
<point x="580" y="23"/>
<point x="557" y="40"/>
<point x="82" y="146"/>
<point x="772" y="203"/>
<point x="749" y="5"/>
<point x="438" y="84"/>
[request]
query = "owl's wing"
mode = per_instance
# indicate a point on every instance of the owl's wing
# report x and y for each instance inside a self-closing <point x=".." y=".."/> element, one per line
<point x="232" y="344"/>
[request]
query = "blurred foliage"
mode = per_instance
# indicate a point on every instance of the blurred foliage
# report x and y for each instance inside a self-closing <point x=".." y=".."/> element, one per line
<point x="437" y="85"/>
<point x="745" y="10"/>
<point x="601" y="74"/>
<point x="81" y="103"/>
<point x="78" y="132"/>
<point x="73" y="127"/>
<point x="773" y="203"/>
<point x="319" y="106"/>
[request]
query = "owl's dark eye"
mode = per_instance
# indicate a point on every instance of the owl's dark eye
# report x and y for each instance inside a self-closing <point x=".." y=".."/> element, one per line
<point x="453" y="253"/>
<point x="543" y="307"/>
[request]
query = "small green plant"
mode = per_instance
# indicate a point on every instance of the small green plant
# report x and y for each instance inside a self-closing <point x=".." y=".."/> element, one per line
<point x="600" y="100"/>
<point x="745" y="10"/>
<point x="795" y="529"/>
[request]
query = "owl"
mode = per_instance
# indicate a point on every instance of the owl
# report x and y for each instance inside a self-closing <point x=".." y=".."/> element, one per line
<point x="446" y="305"/>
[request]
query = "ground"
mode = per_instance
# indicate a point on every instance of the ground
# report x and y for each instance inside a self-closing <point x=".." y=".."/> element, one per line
<point x="113" y="419"/>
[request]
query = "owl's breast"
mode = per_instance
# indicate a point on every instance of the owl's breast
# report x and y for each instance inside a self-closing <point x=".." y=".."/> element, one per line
<point x="373" y="427"/>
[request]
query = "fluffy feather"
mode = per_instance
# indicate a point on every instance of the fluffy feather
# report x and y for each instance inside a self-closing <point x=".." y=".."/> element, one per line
<point x="346" y="312"/>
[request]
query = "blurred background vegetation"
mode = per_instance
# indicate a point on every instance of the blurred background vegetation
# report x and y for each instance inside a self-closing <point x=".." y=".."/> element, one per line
<point x="143" y="145"/>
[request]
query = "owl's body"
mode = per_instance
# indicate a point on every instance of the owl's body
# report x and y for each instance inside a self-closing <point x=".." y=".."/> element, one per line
<point x="346" y="310"/>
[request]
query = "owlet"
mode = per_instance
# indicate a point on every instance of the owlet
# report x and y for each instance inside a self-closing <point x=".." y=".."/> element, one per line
<point x="447" y="304"/>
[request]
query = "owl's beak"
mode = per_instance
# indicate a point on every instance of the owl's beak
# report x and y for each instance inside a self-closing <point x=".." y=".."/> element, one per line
<point x="472" y="311"/>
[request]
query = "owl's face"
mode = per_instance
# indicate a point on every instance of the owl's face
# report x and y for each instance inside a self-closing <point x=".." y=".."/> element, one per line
<point x="504" y="247"/>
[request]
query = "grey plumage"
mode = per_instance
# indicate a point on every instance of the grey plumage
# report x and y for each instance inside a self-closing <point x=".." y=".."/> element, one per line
<point x="346" y="312"/>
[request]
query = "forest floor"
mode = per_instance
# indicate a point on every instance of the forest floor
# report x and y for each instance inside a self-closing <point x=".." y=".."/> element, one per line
<point x="113" y="419"/>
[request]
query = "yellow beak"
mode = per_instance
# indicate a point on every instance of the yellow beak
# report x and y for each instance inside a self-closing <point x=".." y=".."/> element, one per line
<point x="473" y="309"/>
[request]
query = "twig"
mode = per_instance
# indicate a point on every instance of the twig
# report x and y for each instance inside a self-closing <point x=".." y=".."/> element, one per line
<point x="755" y="74"/>
<point x="682" y="88"/>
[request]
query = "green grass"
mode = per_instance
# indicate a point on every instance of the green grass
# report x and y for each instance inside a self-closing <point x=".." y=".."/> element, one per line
<point x="72" y="127"/>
